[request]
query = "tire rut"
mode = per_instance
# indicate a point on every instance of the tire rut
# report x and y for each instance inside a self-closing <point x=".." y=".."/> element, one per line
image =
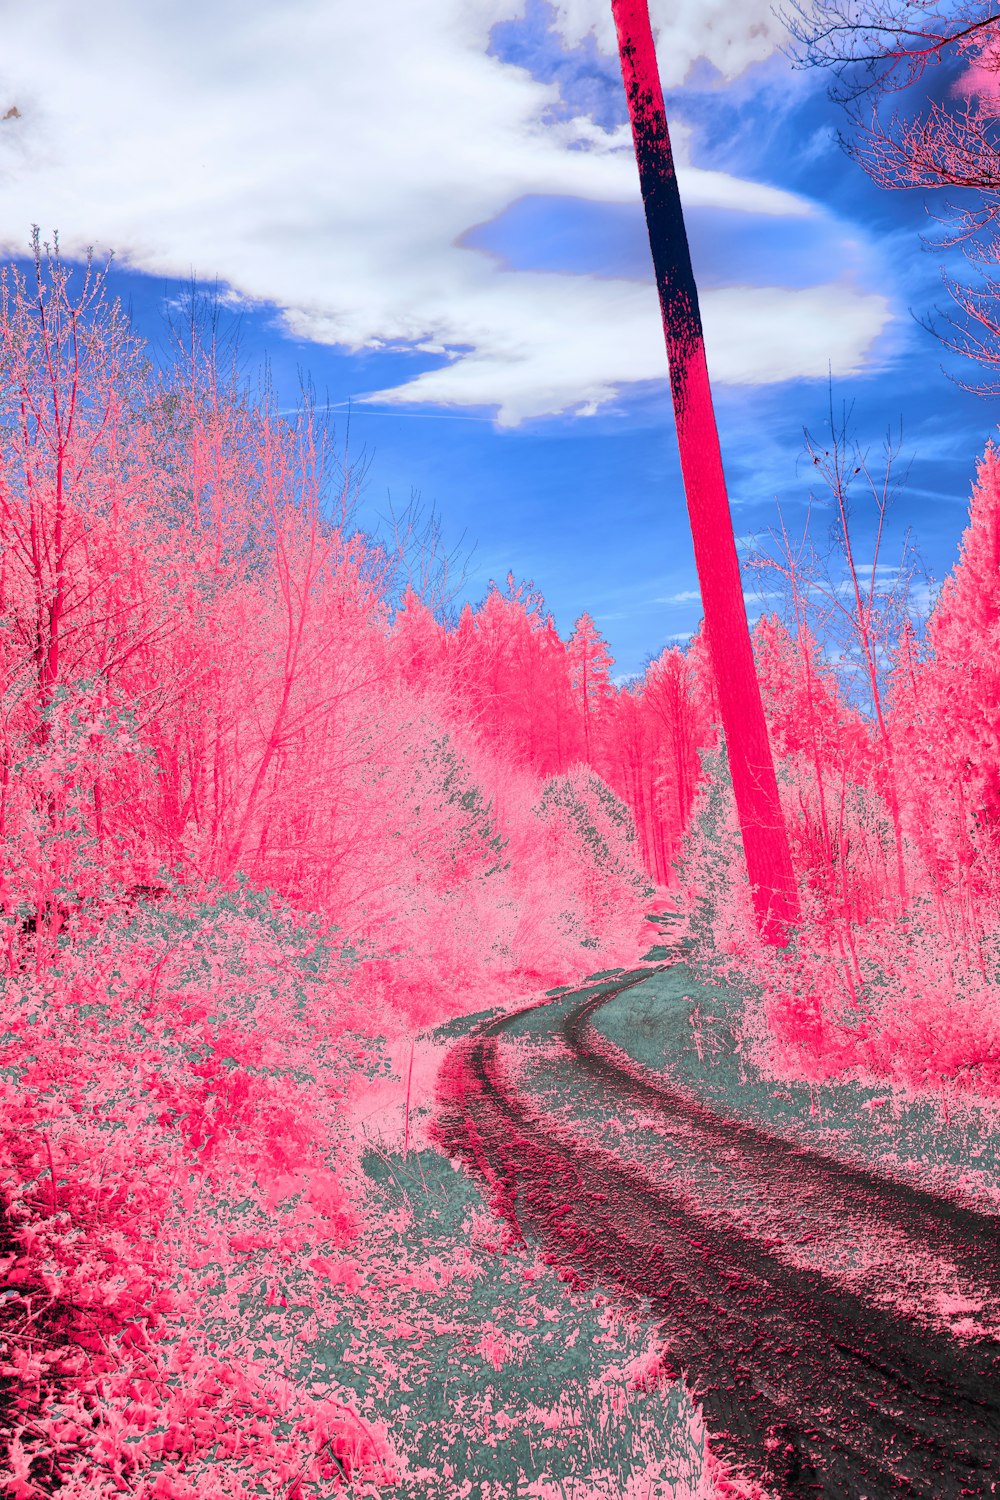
<point x="807" y="1386"/>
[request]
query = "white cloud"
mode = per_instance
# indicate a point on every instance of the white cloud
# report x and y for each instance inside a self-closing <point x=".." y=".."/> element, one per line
<point x="727" y="35"/>
<point x="693" y="596"/>
<point x="327" y="159"/>
<point x="886" y="570"/>
<point x="547" y="343"/>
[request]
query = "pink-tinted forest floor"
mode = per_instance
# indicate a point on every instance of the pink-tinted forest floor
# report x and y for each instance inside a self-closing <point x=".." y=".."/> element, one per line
<point x="491" y="1373"/>
<point x="488" y="1371"/>
<point x="479" y="1369"/>
<point x="565" y="1353"/>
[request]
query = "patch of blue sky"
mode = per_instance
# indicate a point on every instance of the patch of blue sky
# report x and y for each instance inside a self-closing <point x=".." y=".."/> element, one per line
<point x="592" y="510"/>
<point x="728" y="247"/>
<point x="588" y="82"/>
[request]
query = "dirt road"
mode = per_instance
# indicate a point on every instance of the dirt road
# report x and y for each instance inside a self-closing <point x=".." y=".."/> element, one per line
<point x="811" y="1377"/>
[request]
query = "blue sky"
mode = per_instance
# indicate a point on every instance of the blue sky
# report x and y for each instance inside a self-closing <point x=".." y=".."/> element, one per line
<point x="434" y="211"/>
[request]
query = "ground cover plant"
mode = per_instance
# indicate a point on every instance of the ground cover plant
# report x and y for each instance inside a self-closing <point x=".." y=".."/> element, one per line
<point x="506" y="1375"/>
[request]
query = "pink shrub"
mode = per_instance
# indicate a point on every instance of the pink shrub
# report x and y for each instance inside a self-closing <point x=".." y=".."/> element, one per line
<point x="172" y="1142"/>
<point x="894" y="971"/>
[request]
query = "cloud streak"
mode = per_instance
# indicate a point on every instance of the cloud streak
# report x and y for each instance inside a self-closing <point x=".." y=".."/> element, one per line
<point x="545" y="343"/>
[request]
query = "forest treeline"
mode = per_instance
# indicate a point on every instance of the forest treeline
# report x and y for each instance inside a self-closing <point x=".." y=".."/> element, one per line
<point x="204" y="682"/>
<point x="249" y="840"/>
<point x="210" y="675"/>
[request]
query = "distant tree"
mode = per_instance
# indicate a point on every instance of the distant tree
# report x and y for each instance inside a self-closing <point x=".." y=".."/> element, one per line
<point x="854" y="608"/>
<point x="946" y="698"/>
<point x="419" y="643"/>
<point x="70" y="367"/>
<point x="559" y="739"/>
<point x="963" y="634"/>
<point x="75" y="606"/>
<point x="825" y="750"/>
<point x="807" y="712"/>
<point x="495" y="655"/>
<point x="944" y="60"/>
<point x="590" y="664"/>
<point x="427" y="570"/>
<point x="679" y="727"/>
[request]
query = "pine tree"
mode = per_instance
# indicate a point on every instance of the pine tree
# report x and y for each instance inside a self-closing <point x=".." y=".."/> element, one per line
<point x="956" y="688"/>
<point x="590" y="664"/>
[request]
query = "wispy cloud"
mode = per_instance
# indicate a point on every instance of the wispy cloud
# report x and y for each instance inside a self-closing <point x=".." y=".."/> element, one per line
<point x="693" y="596"/>
<point x="686" y="596"/>
<point x="552" y="343"/>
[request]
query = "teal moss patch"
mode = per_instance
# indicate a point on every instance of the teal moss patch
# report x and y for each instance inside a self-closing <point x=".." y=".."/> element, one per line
<point x="688" y="1028"/>
<point x="417" y="1353"/>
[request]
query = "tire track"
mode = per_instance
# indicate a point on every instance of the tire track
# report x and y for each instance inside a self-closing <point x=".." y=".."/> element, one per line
<point x="809" y="1387"/>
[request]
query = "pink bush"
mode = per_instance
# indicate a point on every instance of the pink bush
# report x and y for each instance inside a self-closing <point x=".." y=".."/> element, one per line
<point x="173" y="1140"/>
<point x="902" y="992"/>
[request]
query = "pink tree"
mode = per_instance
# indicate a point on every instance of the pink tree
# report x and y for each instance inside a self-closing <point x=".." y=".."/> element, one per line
<point x="968" y="610"/>
<point x="75" y="607"/>
<point x="590" y="664"/>
<point x="886" y="52"/>
<point x="944" y="714"/>
<point x="680" y="728"/>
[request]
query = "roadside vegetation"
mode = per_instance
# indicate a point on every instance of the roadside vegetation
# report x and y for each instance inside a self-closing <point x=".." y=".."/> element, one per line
<point x="887" y="744"/>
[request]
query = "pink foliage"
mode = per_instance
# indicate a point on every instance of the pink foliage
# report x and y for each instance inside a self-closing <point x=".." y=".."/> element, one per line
<point x="257" y="824"/>
<point x="253" y="827"/>
<point x="903" y="992"/>
<point x="504" y="676"/>
<point x="173" y="1141"/>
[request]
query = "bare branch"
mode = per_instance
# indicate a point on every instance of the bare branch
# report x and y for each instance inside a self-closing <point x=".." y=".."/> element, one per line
<point x="878" y="48"/>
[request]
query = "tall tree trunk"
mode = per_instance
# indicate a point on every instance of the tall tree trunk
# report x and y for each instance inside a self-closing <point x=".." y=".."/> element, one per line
<point x="765" y="841"/>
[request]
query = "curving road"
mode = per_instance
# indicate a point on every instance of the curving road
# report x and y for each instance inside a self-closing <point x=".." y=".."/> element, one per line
<point x="811" y="1381"/>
